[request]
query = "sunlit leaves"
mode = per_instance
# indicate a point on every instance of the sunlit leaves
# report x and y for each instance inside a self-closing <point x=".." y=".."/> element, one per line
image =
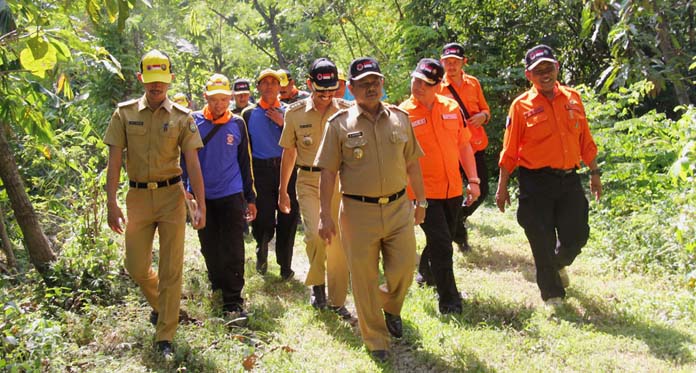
<point x="38" y="56"/>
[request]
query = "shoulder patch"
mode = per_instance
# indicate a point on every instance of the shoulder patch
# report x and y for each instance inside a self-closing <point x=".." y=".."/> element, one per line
<point x="128" y="103"/>
<point x="338" y="114"/>
<point x="344" y="104"/>
<point x="182" y="109"/>
<point x="191" y="124"/>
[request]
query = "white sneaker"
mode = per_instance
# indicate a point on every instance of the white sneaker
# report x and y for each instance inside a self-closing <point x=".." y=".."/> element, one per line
<point x="565" y="280"/>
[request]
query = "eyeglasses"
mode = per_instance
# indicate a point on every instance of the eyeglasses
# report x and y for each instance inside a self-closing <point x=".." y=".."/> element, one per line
<point x="368" y="84"/>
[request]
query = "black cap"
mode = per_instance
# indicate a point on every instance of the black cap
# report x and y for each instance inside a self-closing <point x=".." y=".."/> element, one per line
<point x="241" y="86"/>
<point x="429" y="70"/>
<point x="362" y="67"/>
<point x="324" y="75"/>
<point x="454" y="50"/>
<point x="538" y="54"/>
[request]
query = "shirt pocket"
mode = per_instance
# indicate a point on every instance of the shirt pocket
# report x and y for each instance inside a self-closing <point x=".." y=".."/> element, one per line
<point x="136" y="135"/>
<point x="354" y="148"/>
<point x="576" y="117"/>
<point x="169" y="136"/>
<point x="538" y="127"/>
<point x="305" y="139"/>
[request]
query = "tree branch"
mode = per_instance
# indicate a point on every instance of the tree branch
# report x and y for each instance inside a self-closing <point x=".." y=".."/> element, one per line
<point x="246" y="35"/>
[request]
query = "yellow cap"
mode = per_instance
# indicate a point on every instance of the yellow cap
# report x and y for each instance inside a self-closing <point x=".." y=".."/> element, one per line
<point x="156" y="67"/>
<point x="284" y="77"/>
<point x="341" y="75"/>
<point x="180" y="99"/>
<point x="268" y="72"/>
<point x="218" y="84"/>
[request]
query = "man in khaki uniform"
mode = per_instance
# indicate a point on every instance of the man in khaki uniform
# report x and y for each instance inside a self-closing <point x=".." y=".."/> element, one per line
<point x="304" y="125"/>
<point x="372" y="148"/>
<point x="154" y="131"/>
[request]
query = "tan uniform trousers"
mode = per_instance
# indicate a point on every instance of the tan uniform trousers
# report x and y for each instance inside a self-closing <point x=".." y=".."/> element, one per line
<point x="162" y="209"/>
<point x="327" y="263"/>
<point x="368" y="230"/>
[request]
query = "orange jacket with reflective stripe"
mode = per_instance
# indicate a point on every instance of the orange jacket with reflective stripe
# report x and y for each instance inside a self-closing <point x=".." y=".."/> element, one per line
<point x="547" y="133"/>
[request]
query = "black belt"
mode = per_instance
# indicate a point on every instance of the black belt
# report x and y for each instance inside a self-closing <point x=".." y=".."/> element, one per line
<point x="309" y="168"/>
<point x="269" y="162"/>
<point x="154" y="184"/>
<point x="380" y="200"/>
<point x="553" y="171"/>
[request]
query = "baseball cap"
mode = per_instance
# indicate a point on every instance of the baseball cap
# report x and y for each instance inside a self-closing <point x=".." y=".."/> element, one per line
<point x="268" y="72"/>
<point x="180" y="99"/>
<point x="537" y="55"/>
<point x="453" y="50"/>
<point x="429" y="70"/>
<point x="285" y="77"/>
<point x="324" y="75"/>
<point x="155" y="66"/>
<point x="241" y="86"/>
<point x="218" y="84"/>
<point x="362" y="67"/>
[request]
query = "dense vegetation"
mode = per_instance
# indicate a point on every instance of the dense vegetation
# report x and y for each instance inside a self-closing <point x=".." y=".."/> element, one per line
<point x="64" y="65"/>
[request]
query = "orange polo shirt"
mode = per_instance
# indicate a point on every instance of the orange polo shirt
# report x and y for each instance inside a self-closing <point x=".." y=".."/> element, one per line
<point x="471" y="94"/>
<point x="547" y="133"/>
<point x="440" y="133"/>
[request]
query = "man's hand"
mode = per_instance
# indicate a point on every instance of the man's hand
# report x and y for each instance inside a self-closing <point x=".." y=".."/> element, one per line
<point x="284" y="202"/>
<point x="250" y="212"/>
<point x="199" y="217"/>
<point x="327" y="229"/>
<point x="115" y="217"/>
<point x="473" y="192"/>
<point x="419" y="215"/>
<point x="502" y="198"/>
<point x="276" y="116"/>
<point x="596" y="186"/>
<point x="477" y="120"/>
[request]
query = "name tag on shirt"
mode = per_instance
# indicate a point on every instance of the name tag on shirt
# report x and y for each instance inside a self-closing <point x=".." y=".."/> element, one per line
<point x="306" y="125"/>
<point x="135" y="123"/>
<point x="534" y="111"/>
<point x="419" y="122"/>
<point x="449" y="116"/>
<point x="353" y="135"/>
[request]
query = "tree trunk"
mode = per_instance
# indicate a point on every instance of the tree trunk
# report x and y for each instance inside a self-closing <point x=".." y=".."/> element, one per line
<point x="37" y="244"/>
<point x="6" y="244"/>
<point x="269" y="18"/>
<point x="668" y="53"/>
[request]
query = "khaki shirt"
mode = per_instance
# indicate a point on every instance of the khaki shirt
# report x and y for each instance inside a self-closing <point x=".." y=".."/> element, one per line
<point x="304" y="128"/>
<point x="370" y="155"/>
<point x="154" y="139"/>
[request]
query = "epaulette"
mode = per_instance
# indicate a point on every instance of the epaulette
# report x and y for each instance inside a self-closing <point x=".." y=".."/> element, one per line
<point x="338" y="114"/>
<point x="183" y="109"/>
<point x="296" y="105"/>
<point x="128" y="103"/>
<point x="396" y="108"/>
<point x="344" y="104"/>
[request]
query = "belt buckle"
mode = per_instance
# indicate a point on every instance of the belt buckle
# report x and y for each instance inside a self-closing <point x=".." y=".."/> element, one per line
<point x="383" y="200"/>
<point x="152" y="185"/>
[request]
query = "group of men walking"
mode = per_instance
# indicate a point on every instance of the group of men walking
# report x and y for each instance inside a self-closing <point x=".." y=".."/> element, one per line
<point x="361" y="175"/>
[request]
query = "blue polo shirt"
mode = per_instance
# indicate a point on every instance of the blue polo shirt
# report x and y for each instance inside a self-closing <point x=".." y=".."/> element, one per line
<point x="264" y="134"/>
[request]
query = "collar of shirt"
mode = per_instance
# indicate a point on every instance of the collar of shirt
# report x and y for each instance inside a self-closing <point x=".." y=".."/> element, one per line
<point x="465" y="79"/>
<point x="265" y="105"/>
<point x="556" y="90"/>
<point x="359" y="111"/>
<point x="166" y="104"/>
<point x="207" y="114"/>
<point x="310" y="104"/>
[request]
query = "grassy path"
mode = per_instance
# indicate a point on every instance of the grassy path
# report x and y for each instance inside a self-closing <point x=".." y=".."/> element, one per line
<point x="612" y="321"/>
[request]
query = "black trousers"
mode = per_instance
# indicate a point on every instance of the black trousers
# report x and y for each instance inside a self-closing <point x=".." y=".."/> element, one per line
<point x="553" y="212"/>
<point x="466" y="211"/>
<point x="436" y="259"/>
<point x="269" y="219"/>
<point x="222" y="245"/>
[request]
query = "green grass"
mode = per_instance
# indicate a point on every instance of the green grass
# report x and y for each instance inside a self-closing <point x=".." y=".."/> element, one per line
<point x="612" y="321"/>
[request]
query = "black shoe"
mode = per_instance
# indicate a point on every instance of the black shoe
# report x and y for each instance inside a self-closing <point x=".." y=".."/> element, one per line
<point x="394" y="324"/>
<point x="153" y="317"/>
<point x="287" y="275"/>
<point x="380" y="355"/>
<point x="341" y="311"/>
<point x="261" y="267"/>
<point x="464" y="247"/>
<point x="453" y="309"/>
<point x="318" y="297"/>
<point x="236" y="317"/>
<point x="165" y="349"/>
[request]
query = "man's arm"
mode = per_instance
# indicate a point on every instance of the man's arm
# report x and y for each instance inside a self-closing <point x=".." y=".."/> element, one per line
<point x="595" y="181"/>
<point x="113" y="175"/>
<point x="193" y="167"/>
<point x="327" y="182"/>
<point x="502" y="197"/>
<point x="415" y="178"/>
<point x="287" y="164"/>
<point x="466" y="158"/>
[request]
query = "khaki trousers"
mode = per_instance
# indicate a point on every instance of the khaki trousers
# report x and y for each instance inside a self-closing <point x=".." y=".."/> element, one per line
<point x="162" y="209"/>
<point x="369" y="230"/>
<point x="327" y="263"/>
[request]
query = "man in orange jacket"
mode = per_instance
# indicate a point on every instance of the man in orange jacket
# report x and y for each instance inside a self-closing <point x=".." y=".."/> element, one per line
<point x="466" y="90"/>
<point x="438" y="125"/>
<point x="547" y="136"/>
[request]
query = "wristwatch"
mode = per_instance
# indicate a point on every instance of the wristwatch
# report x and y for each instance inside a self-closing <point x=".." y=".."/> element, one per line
<point x="423" y="203"/>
